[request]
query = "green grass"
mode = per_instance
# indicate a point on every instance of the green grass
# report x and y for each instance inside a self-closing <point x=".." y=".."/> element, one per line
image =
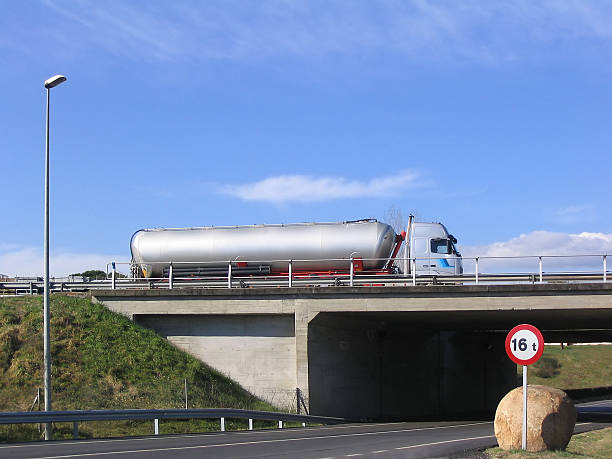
<point x="574" y="367"/>
<point x="102" y="360"/>
<point x="594" y="444"/>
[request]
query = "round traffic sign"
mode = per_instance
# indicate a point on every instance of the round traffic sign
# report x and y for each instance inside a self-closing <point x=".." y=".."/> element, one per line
<point x="524" y="344"/>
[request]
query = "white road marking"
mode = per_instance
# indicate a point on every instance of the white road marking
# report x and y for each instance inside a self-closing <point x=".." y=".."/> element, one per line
<point x="439" y="443"/>
<point x="280" y="440"/>
<point x="199" y="434"/>
<point x="602" y="402"/>
<point x="446" y="441"/>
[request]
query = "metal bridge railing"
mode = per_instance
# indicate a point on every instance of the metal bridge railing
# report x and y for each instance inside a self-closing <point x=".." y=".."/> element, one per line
<point x="477" y="270"/>
<point x="353" y="277"/>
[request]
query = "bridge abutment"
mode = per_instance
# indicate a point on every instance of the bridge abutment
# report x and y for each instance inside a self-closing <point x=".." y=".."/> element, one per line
<point x="369" y="352"/>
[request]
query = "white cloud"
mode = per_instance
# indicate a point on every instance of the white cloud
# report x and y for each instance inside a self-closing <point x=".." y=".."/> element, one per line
<point x="305" y="188"/>
<point x="28" y="261"/>
<point x="546" y="243"/>
<point x="473" y="30"/>
<point x="565" y="248"/>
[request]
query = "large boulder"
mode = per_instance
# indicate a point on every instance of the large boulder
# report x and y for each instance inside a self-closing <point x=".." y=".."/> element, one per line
<point x="551" y="416"/>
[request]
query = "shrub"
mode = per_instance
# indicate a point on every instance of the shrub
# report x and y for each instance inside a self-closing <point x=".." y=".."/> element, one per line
<point x="547" y="367"/>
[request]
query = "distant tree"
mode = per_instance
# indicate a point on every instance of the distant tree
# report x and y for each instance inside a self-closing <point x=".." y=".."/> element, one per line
<point x="96" y="274"/>
<point x="395" y="217"/>
<point x="92" y="274"/>
<point x="398" y="219"/>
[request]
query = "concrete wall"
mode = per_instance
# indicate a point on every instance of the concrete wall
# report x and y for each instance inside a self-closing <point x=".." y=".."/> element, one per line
<point x="363" y="367"/>
<point x="257" y="351"/>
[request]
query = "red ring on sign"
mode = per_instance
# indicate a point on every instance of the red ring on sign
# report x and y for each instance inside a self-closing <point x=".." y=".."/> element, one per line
<point x="540" y="338"/>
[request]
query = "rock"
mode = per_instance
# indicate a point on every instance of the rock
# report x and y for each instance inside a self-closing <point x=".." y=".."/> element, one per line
<point x="551" y="416"/>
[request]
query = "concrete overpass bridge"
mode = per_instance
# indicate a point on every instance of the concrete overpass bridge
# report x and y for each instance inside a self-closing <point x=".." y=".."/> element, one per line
<point x="369" y="352"/>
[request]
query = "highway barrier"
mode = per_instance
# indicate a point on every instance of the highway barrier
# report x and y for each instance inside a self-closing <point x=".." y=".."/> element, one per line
<point x="77" y="416"/>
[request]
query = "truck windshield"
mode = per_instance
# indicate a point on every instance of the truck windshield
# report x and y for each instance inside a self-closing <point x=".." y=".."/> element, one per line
<point x="439" y="246"/>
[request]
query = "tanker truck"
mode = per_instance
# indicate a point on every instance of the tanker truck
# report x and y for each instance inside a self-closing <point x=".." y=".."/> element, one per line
<point x="313" y="248"/>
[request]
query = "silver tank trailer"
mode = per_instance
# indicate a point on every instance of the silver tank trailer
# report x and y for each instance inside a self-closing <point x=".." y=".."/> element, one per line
<point x="152" y="249"/>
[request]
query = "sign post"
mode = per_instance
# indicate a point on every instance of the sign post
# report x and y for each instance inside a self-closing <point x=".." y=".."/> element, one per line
<point x="524" y="346"/>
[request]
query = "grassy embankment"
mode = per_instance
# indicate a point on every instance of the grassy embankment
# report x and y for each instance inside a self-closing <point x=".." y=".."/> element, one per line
<point x="101" y="360"/>
<point x="574" y="367"/>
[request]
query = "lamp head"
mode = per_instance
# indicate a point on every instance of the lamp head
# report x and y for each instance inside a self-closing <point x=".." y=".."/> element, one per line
<point x="54" y="81"/>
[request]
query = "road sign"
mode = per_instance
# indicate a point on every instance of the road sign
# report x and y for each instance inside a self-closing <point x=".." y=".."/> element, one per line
<point x="524" y="344"/>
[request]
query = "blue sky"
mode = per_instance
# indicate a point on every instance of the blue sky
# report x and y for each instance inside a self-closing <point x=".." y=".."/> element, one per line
<point x="493" y="118"/>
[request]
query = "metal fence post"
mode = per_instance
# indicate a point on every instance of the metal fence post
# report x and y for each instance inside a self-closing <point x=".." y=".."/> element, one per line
<point x="476" y="269"/>
<point x="113" y="276"/>
<point x="229" y="275"/>
<point x="185" y="393"/>
<point x="540" y="267"/>
<point x="38" y="401"/>
<point x="351" y="273"/>
<point x="170" y="276"/>
<point x="290" y="273"/>
<point x="297" y="399"/>
<point x="222" y="424"/>
<point x="605" y="268"/>
<point x="156" y="426"/>
<point x="75" y="430"/>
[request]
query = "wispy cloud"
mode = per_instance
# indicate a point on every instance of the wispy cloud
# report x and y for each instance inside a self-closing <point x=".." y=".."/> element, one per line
<point x="546" y="243"/>
<point x="305" y="188"/>
<point x="28" y="261"/>
<point x="473" y="30"/>
<point x="543" y="243"/>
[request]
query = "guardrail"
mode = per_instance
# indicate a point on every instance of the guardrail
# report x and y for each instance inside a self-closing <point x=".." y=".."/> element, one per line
<point x="77" y="416"/>
<point x="477" y="270"/>
<point x="415" y="269"/>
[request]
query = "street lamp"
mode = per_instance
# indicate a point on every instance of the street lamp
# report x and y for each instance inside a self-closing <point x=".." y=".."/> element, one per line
<point x="50" y="83"/>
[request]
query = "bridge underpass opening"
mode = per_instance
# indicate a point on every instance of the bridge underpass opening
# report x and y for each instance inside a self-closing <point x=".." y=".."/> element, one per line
<point x="385" y="366"/>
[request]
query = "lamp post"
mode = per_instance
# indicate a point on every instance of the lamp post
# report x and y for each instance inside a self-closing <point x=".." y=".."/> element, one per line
<point x="50" y="83"/>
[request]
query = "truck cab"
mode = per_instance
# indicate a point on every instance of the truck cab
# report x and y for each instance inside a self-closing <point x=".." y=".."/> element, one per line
<point x="433" y="249"/>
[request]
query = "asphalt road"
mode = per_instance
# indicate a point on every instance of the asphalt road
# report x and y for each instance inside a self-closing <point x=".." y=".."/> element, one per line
<point x="407" y="440"/>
